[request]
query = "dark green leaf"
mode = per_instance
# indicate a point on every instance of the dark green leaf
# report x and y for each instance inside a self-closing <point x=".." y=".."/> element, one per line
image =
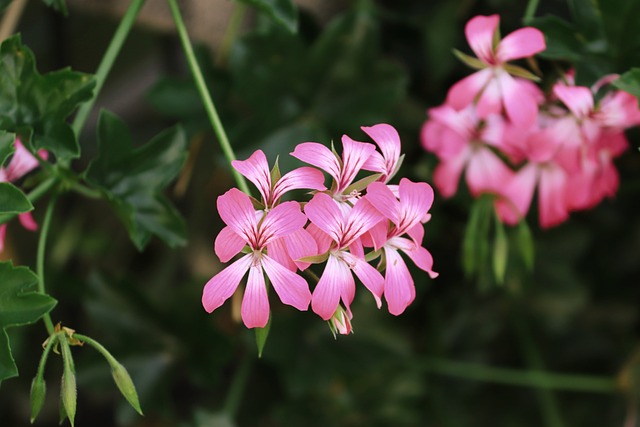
<point x="284" y="12"/>
<point x="563" y="40"/>
<point x="588" y="18"/>
<point x="41" y="102"/>
<point x="134" y="178"/>
<point x="13" y="200"/>
<point x="630" y="82"/>
<point x="59" y="5"/>
<point x="6" y="145"/>
<point x="20" y="304"/>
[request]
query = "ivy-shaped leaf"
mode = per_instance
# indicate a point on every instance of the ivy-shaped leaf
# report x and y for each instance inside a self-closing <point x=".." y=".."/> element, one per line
<point x="284" y="12"/>
<point x="40" y="102"/>
<point x="134" y="178"/>
<point x="6" y="145"/>
<point x="20" y="304"/>
<point x="13" y="200"/>
<point x="630" y="82"/>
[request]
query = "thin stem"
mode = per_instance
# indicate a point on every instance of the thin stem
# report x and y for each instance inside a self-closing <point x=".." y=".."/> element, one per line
<point x="532" y="6"/>
<point x="95" y="344"/>
<point x="201" y="85"/>
<point x="520" y="378"/>
<point x="546" y="398"/>
<point x="107" y="61"/>
<point x="42" y="244"/>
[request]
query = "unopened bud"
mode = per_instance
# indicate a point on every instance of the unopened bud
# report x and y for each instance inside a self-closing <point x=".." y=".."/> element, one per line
<point x="340" y="322"/>
<point x="125" y="385"/>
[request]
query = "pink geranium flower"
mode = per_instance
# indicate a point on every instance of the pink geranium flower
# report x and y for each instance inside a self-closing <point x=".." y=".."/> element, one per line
<point x="343" y="226"/>
<point x="492" y="86"/>
<point x="20" y="164"/>
<point x="387" y="161"/>
<point x="405" y="213"/>
<point x="245" y="226"/>
<point x="343" y="169"/>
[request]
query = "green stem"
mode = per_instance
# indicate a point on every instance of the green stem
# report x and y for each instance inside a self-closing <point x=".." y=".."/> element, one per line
<point x="107" y="61"/>
<point x="532" y="6"/>
<point x="95" y="344"/>
<point x="42" y="243"/>
<point x="546" y="398"/>
<point x="201" y="85"/>
<point x="238" y="384"/>
<point x="520" y="378"/>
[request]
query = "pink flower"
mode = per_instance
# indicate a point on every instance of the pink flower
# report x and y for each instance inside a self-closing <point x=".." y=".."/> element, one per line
<point x="343" y="169"/>
<point x="493" y="86"/>
<point x="256" y="170"/>
<point x="20" y="164"/>
<point x="388" y="140"/>
<point x="461" y="140"/>
<point x="405" y="213"/>
<point x="343" y="225"/>
<point x="245" y="226"/>
<point x="340" y="322"/>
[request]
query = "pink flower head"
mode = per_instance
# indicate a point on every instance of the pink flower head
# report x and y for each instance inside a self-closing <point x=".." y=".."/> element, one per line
<point x="343" y="169"/>
<point x="388" y="140"/>
<point x="343" y="226"/>
<point x="20" y="164"/>
<point x="405" y="213"/>
<point x="493" y="86"/>
<point x="256" y="170"/>
<point x="245" y="226"/>
<point x="461" y="140"/>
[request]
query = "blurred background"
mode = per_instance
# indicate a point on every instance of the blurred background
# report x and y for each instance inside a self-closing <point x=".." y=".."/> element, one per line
<point x="351" y="63"/>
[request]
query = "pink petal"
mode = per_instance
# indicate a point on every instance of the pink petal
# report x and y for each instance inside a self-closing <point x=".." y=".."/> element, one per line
<point x="416" y="233"/>
<point x="221" y="286"/>
<point x="447" y="174"/>
<point x="399" y="290"/>
<point x="422" y="259"/>
<point x="416" y="199"/>
<point x="282" y="220"/>
<point x="27" y="221"/>
<point x="3" y="234"/>
<point x="322" y="239"/>
<point x="362" y="218"/>
<point x="323" y="211"/>
<point x="465" y="91"/>
<point x="277" y="250"/>
<point x="388" y="140"/>
<point x="21" y="163"/>
<point x="490" y="99"/>
<point x="237" y="212"/>
<point x="301" y="244"/>
<point x="486" y="172"/>
<point x="480" y="31"/>
<point x="301" y="178"/>
<point x="376" y="237"/>
<point x="552" y="198"/>
<point x="520" y="105"/>
<point x="354" y="156"/>
<point x="228" y="244"/>
<point x="379" y="195"/>
<point x="319" y="156"/>
<point x="255" y="303"/>
<point x="368" y="275"/>
<point x="578" y="99"/>
<point x="515" y="203"/>
<point x="291" y="288"/>
<point x="326" y="295"/>
<point x="520" y="44"/>
<point x="256" y="170"/>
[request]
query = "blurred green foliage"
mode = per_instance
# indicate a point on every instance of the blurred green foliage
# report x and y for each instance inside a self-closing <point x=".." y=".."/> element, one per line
<point x="383" y="61"/>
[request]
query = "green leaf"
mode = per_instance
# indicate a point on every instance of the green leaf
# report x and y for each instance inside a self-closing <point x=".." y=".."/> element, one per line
<point x="630" y="82"/>
<point x="59" y="5"/>
<point x="6" y="146"/>
<point x="13" y="200"/>
<point x="20" y="304"/>
<point x="40" y="102"/>
<point x="562" y="38"/>
<point x="134" y="178"/>
<point x="525" y="244"/>
<point x="500" y="251"/>
<point x="284" y="12"/>
<point x="261" y="336"/>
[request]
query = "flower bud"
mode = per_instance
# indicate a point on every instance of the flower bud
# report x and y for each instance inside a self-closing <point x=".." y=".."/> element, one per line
<point x="340" y="322"/>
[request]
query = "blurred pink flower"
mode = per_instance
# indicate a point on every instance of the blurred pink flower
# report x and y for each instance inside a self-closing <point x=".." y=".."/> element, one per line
<point x="245" y="226"/>
<point x="492" y="86"/>
<point x="387" y="161"/>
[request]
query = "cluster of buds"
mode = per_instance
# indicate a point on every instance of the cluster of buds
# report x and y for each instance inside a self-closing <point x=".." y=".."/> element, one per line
<point x="353" y="228"/>
<point x="511" y="138"/>
<point x="21" y="163"/>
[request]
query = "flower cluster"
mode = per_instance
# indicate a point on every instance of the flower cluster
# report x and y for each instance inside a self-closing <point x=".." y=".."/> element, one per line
<point x="510" y="138"/>
<point x="345" y="227"/>
<point x="20" y="164"/>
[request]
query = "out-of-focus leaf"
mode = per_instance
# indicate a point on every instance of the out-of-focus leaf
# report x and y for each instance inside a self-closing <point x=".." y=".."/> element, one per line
<point x="40" y="102"/>
<point x="630" y="82"/>
<point x="59" y="5"/>
<point x="6" y="145"/>
<point x="20" y="304"/>
<point x="588" y="18"/>
<point x="12" y="199"/>
<point x="284" y="12"/>
<point x="525" y="244"/>
<point x="133" y="179"/>
<point x="500" y="251"/>
<point x="562" y="39"/>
